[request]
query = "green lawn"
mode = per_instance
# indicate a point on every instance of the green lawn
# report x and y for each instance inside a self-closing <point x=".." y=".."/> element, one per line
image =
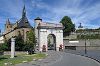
<point x="20" y="58"/>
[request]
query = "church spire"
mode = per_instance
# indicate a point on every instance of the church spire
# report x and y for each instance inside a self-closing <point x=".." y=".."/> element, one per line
<point x="24" y="12"/>
<point x="80" y="26"/>
<point x="8" y="22"/>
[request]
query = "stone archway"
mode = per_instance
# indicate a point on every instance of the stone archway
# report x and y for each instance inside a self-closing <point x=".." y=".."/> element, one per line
<point x="51" y="42"/>
<point x="43" y="29"/>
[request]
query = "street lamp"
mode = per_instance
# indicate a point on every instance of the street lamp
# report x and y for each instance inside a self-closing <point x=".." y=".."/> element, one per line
<point x="85" y="47"/>
<point x="85" y="43"/>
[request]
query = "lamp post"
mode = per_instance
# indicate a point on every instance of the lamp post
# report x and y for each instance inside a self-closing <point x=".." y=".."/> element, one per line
<point x="85" y="44"/>
<point x="85" y="47"/>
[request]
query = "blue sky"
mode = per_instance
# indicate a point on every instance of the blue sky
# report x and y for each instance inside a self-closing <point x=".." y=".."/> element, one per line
<point x="86" y="12"/>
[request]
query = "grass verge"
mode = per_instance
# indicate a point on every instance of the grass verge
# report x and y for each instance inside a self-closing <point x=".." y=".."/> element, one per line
<point x="20" y="58"/>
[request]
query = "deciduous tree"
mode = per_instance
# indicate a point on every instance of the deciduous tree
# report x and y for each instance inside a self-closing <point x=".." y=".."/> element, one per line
<point x="30" y="43"/>
<point x="68" y="25"/>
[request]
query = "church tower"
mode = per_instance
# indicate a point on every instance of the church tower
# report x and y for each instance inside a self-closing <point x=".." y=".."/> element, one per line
<point x="8" y="26"/>
<point x="80" y="26"/>
<point x="37" y="21"/>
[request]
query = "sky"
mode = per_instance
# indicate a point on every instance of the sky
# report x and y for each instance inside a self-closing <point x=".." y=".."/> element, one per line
<point x="86" y="12"/>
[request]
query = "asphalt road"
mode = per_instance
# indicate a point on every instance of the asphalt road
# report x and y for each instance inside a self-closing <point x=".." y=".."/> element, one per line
<point x="95" y="54"/>
<point x="62" y="59"/>
<point x="75" y="60"/>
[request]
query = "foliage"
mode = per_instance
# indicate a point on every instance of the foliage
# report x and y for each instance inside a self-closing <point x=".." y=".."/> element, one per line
<point x="49" y="42"/>
<point x="3" y="46"/>
<point x="88" y="33"/>
<point x="92" y="36"/>
<point x="30" y="43"/>
<point x="31" y="37"/>
<point x="19" y="43"/>
<point x="68" y="25"/>
<point x="8" y="44"/>
<point x="98" y="28"/>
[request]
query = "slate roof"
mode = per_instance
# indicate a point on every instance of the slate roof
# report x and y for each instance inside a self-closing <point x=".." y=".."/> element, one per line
<point x="23" y="22"/>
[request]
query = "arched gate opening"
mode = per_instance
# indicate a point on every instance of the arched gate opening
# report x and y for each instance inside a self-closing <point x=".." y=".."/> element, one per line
<point x="51" y="42"/>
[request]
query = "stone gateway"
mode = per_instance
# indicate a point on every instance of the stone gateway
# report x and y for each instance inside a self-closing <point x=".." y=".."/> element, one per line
<point x="48" y="35"/>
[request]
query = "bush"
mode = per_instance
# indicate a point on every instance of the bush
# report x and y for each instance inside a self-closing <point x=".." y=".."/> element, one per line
<point x="19" y="43"/>
<point x="3" y="47"/>
<point x="1" y="52"/>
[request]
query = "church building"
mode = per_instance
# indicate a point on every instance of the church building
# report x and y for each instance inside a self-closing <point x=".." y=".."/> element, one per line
<point x="49" y="36"/>
<point x="21" y="27"/>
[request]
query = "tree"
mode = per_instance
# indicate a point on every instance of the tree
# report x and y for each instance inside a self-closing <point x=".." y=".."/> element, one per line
<point x="68" y="25"/>
<point x="3" y="46"/>
<point x="19" y="43"/>
<point x="30" y="43"/>
<point x="49" y="42"/>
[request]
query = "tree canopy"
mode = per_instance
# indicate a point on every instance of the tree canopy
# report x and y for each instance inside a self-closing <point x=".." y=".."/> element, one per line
<point x="3" y="46"/>
<point x="68" y="25"/>
<point x="19" y="43"/>
<point x="31" y="37"/>
<point x="30" y="43"/>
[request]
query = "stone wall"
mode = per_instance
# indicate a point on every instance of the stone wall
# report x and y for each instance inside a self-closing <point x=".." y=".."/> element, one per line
<point x="22" y="31"/>
<point x="88" y="48"/>
<point x="16" y="52"/>
<point x="91" y="44"/>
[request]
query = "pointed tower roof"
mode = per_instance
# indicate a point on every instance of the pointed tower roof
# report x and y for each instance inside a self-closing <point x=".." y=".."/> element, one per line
<point x="23" y="22"/>
<point x="38" y="18"/>
<point x="24" y="12"/>
<point x="8" y="21"/>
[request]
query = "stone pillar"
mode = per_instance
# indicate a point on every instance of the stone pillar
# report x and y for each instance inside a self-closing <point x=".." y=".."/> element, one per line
<point x="12" y="47"/>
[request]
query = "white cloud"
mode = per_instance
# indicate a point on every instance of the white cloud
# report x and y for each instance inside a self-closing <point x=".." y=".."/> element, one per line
<point x="75" y="9"/>
<point x="79" y="13"/>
